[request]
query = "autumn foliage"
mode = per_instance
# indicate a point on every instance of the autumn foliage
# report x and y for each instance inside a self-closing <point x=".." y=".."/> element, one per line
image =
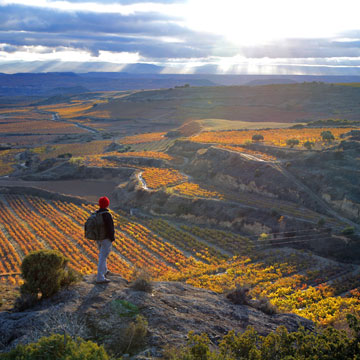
<point x="156" y="178"/>
<point x="275" y="137"/>
<point x="293" y="282"/>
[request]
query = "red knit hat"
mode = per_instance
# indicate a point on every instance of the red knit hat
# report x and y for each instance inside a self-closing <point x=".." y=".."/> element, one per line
<point x="104" y="202"/>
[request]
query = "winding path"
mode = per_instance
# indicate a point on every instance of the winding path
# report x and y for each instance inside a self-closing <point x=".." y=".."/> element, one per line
<point x="143" y="182"/>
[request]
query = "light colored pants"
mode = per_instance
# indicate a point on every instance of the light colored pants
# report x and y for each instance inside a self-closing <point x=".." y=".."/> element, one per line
<point x="104" y="251"/>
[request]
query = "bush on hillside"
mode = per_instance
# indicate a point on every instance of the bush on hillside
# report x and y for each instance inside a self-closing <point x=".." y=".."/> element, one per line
<point x="292" y="142"/>
<point x="282" y="345"/>
<point x="257" y="137"/>
<point x="308" y="145"/>
<point x="141" y="281"/>
<point x="240" y="296"/>
<point x="348" y="230"/>
<point x="327" y="136"/>
<point x="129" y="340"/>
<point x="45" y="272"/>
<point x="58" y="347"/>
<point x="263" y="304"/>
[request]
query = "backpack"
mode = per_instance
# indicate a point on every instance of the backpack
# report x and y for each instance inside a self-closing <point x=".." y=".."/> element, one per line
<point x="93" y="226"/>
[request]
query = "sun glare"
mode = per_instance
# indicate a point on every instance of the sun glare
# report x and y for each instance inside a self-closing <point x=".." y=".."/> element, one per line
<point x="262" y="21"/>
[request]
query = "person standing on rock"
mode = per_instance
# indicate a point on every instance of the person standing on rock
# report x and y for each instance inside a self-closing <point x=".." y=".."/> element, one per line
<point x="107" y="234"/>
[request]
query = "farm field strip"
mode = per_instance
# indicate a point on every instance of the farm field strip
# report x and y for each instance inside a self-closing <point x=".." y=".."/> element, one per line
<point x="40" y="127"/>
<point x="160" y="145"/>
<point x="294" y="281"/>
<point x="142" y="138"/>
<point x="25" y="239"/>
<point x="124" y="245"/>
<point x="226" y="240"/>
<point x="10" y="260"/>
<point x="279" y="278"/>
<point x="157" y="178"/>
<point x="147" y="241"/>
<point x="194" y="190"/>
<point x="75" y="232"/>
<point x="145" y="252"/>
<point x="275" y="137"/>
<point x="111" y="159"/>
<point x="51" y="235"/>
<point x="61" y="222"/>
<point x="75" y="149"/>
<point x="184" y="241"/>
<point x="157" y="245"/>
<point x="72" y="110"/>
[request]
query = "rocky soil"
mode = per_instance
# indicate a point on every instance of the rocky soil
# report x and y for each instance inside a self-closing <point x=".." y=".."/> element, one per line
<point x="172" y="309"/>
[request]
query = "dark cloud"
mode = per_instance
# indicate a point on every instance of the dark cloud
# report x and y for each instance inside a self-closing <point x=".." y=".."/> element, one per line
<point x="143" y="33"/>
<point x="24" y="18"/>
<point x="111" y="32"/>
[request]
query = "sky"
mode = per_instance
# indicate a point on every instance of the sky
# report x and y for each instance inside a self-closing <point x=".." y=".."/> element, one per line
<point x="317" y="37"/>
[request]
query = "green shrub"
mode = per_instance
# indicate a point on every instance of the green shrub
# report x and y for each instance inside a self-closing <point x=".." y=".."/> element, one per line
<point x="257" y="137"/>
<point x="129" y="340"/>
<point x="308" y="144"/>
<point x="274" y="212"/>
<point x="141" y="281"/>
<point x="292" y="142"/>
<point x="327" y="344"/>
<point x="349" y="230"/>
<point x="58" y="347"/>
<point x="136" y="334"/>
<point x="240" y="296"/>
<point x="263" y="304"/>
<point x="45" y="272"/>
<point x="327" y="136"/>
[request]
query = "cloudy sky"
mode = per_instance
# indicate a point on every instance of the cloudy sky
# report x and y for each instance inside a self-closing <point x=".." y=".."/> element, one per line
<point x="182" y="36"/>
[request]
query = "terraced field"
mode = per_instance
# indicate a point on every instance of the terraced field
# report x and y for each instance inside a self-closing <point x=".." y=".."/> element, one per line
<point x="295" y="281"/>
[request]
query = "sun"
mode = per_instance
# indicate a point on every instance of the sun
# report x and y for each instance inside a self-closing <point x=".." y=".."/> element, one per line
<point x="257" y="22"/>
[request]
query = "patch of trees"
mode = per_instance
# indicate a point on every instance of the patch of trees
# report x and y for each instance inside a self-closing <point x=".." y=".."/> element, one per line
<point x="327" y="136"/>
<point x="58" y="347"/>
<point x="283" y="345"/>
<point x="182" y="86"/>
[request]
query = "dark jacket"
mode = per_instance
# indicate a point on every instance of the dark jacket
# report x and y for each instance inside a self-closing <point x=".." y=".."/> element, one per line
<point x="108" y="223"/>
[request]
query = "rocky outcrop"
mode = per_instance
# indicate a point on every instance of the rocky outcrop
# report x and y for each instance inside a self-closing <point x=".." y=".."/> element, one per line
<point x="172" y="309"/>
<point x="346" y="206"/>
<point x="233" y="216"/>
<point x="234" y="172"/>
<point x="186" y="148"/>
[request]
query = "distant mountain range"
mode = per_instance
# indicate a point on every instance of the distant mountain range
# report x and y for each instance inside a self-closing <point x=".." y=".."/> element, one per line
<point x="138" y="76"/>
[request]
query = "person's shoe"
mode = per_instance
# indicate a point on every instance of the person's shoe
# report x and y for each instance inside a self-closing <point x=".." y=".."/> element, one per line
<point x="105" y="281"/>
<point x="109" y="273"/>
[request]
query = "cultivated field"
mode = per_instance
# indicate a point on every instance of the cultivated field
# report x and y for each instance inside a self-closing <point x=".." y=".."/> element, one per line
<point x="303" y="283"/>
<point x="211" y="205"/>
